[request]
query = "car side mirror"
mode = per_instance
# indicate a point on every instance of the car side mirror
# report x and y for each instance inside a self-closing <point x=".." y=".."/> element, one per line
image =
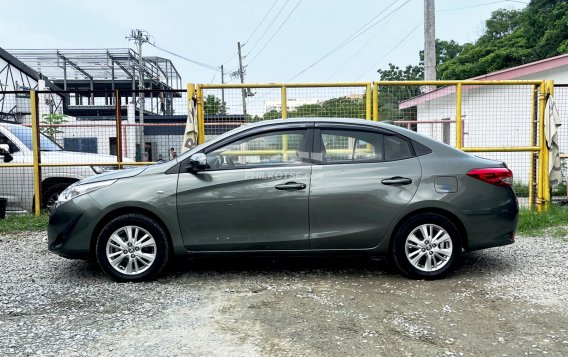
<point x="198" y="162"/>
<point x="5" y="151"/>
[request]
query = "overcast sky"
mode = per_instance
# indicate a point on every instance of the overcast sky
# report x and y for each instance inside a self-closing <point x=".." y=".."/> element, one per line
<point x="208" y="31"/>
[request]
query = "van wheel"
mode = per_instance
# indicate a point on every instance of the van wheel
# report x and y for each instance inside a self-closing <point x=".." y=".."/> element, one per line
<point x="132" y="247"/>
<point x="426" y="246"/>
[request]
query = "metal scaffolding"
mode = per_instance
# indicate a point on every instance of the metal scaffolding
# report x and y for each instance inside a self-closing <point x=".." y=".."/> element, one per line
<point x="99" y="69"/>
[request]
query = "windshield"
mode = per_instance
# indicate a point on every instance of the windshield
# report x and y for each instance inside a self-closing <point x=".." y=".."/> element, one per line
<point x="24" y="134"/>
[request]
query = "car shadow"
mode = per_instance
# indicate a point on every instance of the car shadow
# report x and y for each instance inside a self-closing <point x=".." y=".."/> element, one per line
<point x="271" y="264"/>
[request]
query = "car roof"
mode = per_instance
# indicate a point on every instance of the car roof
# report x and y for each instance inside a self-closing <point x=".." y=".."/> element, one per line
<point x="423" y="139"/>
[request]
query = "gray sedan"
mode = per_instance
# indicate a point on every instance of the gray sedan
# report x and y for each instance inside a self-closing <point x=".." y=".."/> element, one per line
<point x="295" y="186"/>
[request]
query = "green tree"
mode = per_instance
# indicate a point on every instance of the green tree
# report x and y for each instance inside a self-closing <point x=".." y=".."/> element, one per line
<point x="512" y="38"/>
<point x="49" y="124"/>
<point x="212" y="105"/>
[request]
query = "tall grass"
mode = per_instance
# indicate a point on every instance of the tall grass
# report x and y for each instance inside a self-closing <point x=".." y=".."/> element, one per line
<point x="533" y="223"/>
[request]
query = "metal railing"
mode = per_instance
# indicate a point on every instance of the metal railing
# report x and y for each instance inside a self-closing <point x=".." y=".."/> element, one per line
<point x="502" y="119"/>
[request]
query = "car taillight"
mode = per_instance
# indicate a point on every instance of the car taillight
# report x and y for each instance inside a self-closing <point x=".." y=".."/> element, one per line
<point x="499" y="176"/>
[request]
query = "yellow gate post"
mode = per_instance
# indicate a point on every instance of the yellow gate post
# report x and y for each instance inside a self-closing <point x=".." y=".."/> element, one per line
<point x="368" y="97"/>
<point x="200" y="115"/>
<point x="543" y="197"/>
<point x="459" y="128"/>
<point x="284" y="105"/>
<point x="375" y="101"/>
<point x="36" y="152"/>
<point x="534" y="128"/>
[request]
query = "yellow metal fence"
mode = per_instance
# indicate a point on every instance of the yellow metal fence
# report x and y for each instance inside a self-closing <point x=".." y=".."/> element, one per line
<point x="503" y="120"/>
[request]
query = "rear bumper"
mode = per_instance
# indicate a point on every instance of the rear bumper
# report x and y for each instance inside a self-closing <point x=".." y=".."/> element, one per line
<point x="496" y="226"/>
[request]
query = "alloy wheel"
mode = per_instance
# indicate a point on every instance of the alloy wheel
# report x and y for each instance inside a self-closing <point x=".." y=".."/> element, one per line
<point x="428" y="247"/>
<point x="131" y="250"/>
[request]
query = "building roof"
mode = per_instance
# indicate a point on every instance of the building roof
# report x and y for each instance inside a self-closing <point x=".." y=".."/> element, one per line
<point x="106" y="68"/>
<point x="504" y="74"/>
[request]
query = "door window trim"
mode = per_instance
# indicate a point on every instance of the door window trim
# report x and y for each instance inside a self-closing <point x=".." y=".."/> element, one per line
<point x="308" y="146"/>
<point x="318" y="144"/>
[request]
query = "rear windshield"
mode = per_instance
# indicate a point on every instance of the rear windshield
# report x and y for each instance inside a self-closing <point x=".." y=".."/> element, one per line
<point x="24" y="134"/>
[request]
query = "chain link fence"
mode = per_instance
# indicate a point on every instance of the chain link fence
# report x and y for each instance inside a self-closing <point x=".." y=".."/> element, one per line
<point x="80" y="134"/>
<point x="83" y="133"/>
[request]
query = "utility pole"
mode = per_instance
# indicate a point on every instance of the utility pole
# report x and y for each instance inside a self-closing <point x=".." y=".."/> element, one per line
<point x="223" y="110"/>
<point x="140" y="37"/>
<point x="429" y="42"/>
<point x="242" y="74"/>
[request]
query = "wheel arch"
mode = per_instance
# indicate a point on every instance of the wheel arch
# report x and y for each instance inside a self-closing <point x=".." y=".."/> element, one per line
<point x="126" y="210"/>
<point x="442" y="212"/>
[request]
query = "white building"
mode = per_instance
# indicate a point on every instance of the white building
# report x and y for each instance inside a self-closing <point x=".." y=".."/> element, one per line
<point x="495" y="116"/>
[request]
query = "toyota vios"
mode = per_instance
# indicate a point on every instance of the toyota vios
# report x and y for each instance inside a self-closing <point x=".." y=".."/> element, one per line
<point x="295" y="186"/>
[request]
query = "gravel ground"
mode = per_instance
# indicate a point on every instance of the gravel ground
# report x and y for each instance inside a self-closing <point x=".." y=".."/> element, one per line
<point x="510" y="301"/>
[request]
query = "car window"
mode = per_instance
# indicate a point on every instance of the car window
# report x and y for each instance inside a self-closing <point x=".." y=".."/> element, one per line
<point x="5" y="140"/>
<point x="396" y="148"/>
<point x="351" y="146"/>
<point x="24" y="134"/>
<point x="267" y="149"/>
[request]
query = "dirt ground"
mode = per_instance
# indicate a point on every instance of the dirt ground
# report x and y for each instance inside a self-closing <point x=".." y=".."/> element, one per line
<point x="508" y="301"/>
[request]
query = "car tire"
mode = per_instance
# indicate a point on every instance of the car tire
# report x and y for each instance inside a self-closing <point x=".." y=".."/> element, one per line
<point x="50" y="194"/>
<point x="132" y="247"/>
<point x="426" y="246"/>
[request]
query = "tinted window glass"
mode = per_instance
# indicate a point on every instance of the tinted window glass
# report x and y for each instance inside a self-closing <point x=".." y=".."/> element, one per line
<point x="351" y="146"/>
<point x="24" y="134"/>
<point x="268" y="149"/>
<point x="396" y="148"/>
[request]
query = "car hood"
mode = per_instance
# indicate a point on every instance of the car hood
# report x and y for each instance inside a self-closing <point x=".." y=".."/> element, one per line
<point x="114" y="174"/>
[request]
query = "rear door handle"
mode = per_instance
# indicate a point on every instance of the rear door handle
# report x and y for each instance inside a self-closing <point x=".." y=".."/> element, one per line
<point x="289" y="186"/>
<point x="397" y="181"/>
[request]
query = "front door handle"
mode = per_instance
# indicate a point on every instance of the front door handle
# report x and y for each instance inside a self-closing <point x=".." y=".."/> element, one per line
<point x="289" y="186"/>
<point x="397" y="181"/>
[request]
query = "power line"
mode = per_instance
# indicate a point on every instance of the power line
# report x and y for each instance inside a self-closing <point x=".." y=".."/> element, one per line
<point x="269" y="26"/>
<point x="391" y="50"/>
<point x="202" y="64"/>
<point x="355" y="35"/>
<point x="479" y="5"/>
<point x="261" y="21"/>
<point x="361" y="48"/>
<point x="275" y="32"/>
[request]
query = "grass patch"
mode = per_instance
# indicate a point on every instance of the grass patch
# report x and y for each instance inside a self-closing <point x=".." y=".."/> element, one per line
<point x="22" y="223"/>
<point x="555" y="220"/>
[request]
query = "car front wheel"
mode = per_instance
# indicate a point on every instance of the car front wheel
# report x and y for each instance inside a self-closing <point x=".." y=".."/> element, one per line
<point x="132" y="247"/>
<point x="427" y="246"/>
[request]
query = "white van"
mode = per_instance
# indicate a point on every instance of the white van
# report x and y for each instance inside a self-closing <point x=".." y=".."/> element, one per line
<point x="16" y="183"/>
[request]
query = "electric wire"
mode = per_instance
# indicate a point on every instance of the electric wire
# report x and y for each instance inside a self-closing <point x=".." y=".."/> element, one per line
<point x="353" y="36"/>
<point x="201" y="64"/>
<point x="361" y="48"/>
<point x="268" y="28"/>
<point x="261" y="21"/>
<point x="275" y="32"/>
<point x="391" y="50"/>
<point x="478" y="5"/>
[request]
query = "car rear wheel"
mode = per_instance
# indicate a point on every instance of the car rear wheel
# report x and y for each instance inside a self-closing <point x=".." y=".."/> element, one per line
<point x="427" y="246"/>
<point x="132" y="247"/>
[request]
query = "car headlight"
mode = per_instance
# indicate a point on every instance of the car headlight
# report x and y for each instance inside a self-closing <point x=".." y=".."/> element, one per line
<point x="78" y="189"/>
<point x="101" y="169"/>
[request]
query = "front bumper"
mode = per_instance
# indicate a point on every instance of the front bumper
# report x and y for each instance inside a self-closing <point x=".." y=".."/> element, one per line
<point x="70" y="228"/>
